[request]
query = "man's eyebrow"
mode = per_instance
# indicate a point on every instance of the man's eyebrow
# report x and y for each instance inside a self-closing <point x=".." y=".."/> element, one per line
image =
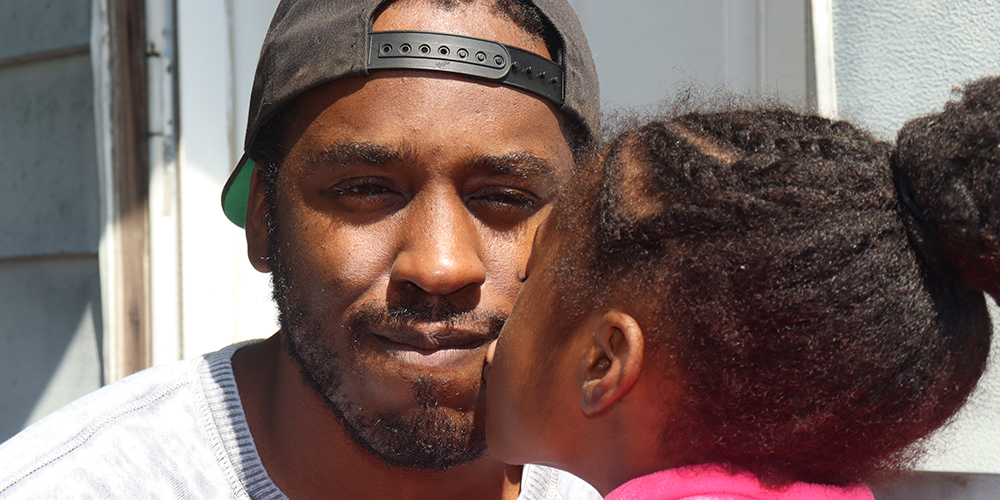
<point x="355" y="153"/>
<point x="521" y="165"/>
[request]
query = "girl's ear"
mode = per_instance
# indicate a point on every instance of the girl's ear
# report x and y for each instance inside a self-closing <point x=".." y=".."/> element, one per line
<point x="612" y="362"/>
<point x="256" y="224"/>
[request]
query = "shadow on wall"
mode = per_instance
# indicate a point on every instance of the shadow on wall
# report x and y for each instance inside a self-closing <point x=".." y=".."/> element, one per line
<point x="50" y="347"/>
<point x="943" y="486"/>
<point x="50" y="320"/>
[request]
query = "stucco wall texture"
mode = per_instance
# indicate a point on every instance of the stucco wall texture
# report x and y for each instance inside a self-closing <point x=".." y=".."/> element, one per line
<point x="898" y="59"/>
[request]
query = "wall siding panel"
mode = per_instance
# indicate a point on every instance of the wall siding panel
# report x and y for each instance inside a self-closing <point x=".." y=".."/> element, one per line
<point x="48" y="159"/>
<point x="50" y="287"/>
<point x="37" y="26"/>
<point x="50" y="349"/>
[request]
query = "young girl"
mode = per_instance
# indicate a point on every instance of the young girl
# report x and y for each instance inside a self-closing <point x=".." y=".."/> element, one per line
<point x="755" y="304"/>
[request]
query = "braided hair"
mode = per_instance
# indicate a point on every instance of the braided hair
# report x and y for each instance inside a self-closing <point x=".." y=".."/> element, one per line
<point x="822" y="319"/>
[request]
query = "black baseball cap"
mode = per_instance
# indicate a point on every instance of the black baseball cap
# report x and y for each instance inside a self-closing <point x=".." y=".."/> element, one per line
<point x="314" y="42"/>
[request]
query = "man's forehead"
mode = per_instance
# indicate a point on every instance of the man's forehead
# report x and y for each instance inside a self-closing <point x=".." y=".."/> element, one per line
<point x="385" y="99"/>
<point x="426" y="118"/>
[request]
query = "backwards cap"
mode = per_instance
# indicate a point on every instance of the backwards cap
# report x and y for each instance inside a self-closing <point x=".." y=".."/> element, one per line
<point x="313" y="42"/>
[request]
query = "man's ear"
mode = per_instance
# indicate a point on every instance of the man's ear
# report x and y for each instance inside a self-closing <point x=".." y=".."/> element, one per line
<point x="612" y="363"/>
<point x="256" y="224"/>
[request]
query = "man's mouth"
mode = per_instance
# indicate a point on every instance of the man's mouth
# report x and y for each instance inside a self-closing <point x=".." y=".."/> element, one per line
<point x="433" y="348"/>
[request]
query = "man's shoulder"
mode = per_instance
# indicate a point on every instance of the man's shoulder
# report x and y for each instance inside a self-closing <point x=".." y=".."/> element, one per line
<point x="545" y="483"/>
<point x="105" y="407"/>
<point x="125" y="434"/>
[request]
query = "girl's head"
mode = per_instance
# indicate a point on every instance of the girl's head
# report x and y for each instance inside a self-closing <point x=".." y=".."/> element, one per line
<point x="772" y="291"/>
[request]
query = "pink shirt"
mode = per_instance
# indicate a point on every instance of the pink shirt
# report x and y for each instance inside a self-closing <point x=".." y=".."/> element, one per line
<point x="706" y="482"/>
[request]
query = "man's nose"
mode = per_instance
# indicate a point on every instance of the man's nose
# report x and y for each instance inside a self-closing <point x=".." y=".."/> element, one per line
<point x="441" y="247"/>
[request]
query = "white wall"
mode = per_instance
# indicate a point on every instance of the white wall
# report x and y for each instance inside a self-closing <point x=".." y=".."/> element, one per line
<point x="222" y="298"/>
<point x="900" y="58"/>
<point x="645" y="49"/>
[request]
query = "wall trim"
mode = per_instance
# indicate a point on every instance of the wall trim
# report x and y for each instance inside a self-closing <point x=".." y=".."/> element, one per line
<point x="822" y="67"/>
<point x="119" y="67"/>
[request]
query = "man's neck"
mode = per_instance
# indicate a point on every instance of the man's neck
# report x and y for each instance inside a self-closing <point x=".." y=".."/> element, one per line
<point x="309" y="455"/>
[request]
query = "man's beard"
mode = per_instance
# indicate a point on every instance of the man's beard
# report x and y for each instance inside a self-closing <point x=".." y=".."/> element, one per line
<point x="429" y="437"/>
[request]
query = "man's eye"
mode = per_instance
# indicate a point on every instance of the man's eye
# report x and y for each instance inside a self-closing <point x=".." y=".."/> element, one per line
<point x="504" y="207"/>
<point x="359" y="188"/>
<point x="364" y="195"/>
<point x="513" y="198"/>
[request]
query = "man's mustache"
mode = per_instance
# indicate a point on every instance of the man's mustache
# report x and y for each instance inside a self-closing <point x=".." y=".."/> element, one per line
<point x="372" y="316"/>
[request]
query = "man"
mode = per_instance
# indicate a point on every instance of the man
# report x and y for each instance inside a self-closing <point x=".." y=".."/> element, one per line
<point x="399" y="157"/>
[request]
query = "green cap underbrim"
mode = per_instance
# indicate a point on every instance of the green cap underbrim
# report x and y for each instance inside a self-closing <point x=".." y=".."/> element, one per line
<point x="236" y="194"/>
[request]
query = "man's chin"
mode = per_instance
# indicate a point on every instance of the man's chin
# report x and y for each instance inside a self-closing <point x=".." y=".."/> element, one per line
<point x="429" y="435"/>
<point x="435" y="439"/>
<point x="435" y="427"/>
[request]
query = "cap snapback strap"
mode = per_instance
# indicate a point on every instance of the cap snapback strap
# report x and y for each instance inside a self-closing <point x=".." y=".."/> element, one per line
<point x="475" y="57"/>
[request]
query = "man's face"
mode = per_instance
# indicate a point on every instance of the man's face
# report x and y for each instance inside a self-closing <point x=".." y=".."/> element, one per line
<point x="404" y="213"/>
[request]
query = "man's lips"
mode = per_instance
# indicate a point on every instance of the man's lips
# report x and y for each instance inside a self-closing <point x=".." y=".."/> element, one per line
<point x="440" y="348"/>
